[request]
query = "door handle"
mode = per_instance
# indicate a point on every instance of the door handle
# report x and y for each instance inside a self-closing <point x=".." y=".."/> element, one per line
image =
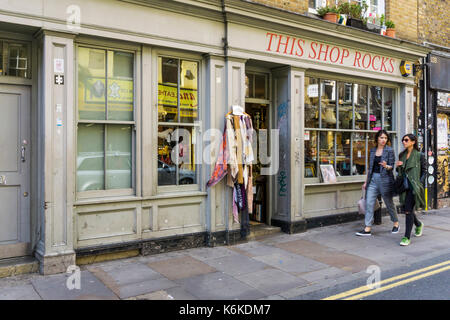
<point x="2" y="179"/>
<point x="22" y="156"/>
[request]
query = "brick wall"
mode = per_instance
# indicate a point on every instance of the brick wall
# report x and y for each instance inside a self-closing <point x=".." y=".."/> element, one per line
<point x="404" y="14"/>
<point x="415" y="20"/>
<point x="298" y="6"/>
<point x="434" y="22"/>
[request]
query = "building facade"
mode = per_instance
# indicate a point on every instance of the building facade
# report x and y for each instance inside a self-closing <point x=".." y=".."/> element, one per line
<point x="109" y="120"/>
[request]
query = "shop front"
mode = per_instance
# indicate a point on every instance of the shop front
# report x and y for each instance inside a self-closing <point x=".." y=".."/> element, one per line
<point x="439" y="95"/>
<point x="128" y="116"/>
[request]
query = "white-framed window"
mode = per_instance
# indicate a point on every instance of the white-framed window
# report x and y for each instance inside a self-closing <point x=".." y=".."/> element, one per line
<point x="106" y="122"/>
<point x="341" y="120"/>
<point x="179" y="121"/>
<point x="15" y="59"/>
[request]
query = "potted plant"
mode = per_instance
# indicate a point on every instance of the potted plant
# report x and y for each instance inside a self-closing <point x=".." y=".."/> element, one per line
<point x="390" y="29"/>
<point x="356" y="14"/>
<point x="328" y="13"/>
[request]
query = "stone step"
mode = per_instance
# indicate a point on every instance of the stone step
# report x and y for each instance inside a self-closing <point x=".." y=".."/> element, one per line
<point x="261" y="230"/>
<point x="15" y="266"/>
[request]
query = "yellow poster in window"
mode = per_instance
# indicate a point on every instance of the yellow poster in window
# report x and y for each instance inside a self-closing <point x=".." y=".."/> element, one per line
<point x="91" y="94"/>
<point x="167" y="101"/>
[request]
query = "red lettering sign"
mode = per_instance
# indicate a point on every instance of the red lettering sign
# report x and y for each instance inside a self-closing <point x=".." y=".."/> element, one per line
<point x="287" y="45"/>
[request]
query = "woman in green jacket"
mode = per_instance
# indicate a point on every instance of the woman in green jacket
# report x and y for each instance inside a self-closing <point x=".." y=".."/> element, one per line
<point x="412" y="165"/>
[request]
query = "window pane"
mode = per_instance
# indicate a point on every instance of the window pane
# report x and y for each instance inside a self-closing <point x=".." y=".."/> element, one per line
<point x="118" y="157"/>
<point x="90" y="157"/>
<point x="388" y="109"/>
<point x="260" y="86"/>
<point x="189" y="91"/>
<point x="310" y="154"/>
<point x="375" y="108"/>
<point x="186" y="155"/>
<point x="326" y="147"/>
<point x="360" y="97"/>
<point x="343" y="153"/>
<point x="328" y="103"/>
<point x="166" y="167"/>
<point x="91" y="84"/>
<point x="1" y="59"/>
<point x="249" y="78"/>
<point x="176" y="155"/>
<point x="18" y="60"/>
<point x="311" y="103"/>
<point x="345" y="105"/>
<point x="167" y="89"/>
<point x="359" y="153"/>
<point x="120" y="85"/>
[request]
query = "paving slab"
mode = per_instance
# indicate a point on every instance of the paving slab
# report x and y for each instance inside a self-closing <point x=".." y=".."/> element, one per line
<point x="218" y="285"/>
<point x="203" y="254"/>
<point x="291" y="263"/>
<point x="22" y="292"/>
<point x="256" y="249"/>
<point x="54" y="288"/>
<point x="323" y="274"/>
<point x="236" y="264"/>
<point x="182" y="267"/>
<point x="327" y="255"/>
<point x="272" y="281"/>
<point x="131" y="280"/>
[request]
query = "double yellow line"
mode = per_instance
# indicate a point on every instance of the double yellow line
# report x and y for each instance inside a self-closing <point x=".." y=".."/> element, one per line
<point x="365" y="291"/>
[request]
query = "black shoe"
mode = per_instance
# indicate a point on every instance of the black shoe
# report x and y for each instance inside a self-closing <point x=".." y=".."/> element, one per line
<point x="364" y="233"/>
<point x="395" y="229"/>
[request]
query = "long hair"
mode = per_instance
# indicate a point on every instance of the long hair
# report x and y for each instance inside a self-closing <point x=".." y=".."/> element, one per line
<point x="379" y="133"/>
<point x="412" y="138"/>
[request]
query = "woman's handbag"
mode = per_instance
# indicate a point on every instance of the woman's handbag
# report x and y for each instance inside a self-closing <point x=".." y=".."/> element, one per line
<point x="362" y="203"/>
<point x="401" y="184"/>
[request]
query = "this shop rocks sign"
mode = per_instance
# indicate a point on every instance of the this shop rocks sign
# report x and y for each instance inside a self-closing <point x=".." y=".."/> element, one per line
<point x="336" y="55"/>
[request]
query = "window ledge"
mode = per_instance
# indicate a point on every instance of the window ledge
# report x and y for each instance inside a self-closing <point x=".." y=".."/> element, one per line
<point x="319" y="184"/>
<point x="83" y="202"/>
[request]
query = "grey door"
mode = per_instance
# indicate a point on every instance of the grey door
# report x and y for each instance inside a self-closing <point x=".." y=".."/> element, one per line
<point x="14" y="171"/>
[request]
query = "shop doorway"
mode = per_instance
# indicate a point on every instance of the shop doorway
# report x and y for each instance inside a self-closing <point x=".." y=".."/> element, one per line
<point x="258" y="106"/>
<point x="14" y="171"/>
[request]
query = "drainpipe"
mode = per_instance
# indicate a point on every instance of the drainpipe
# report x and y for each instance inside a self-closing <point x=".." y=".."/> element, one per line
<point x="225" y="53"/>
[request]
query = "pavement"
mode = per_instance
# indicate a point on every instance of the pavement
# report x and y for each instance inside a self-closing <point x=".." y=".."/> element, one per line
<point x="277" y="267"/>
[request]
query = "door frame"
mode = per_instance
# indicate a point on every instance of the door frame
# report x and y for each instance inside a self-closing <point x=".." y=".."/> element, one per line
<point x="22" y="248"/>
<point x="36" y="137"/>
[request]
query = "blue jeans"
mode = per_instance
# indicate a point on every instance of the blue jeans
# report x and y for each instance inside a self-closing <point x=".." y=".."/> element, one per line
<point x="373" y="190"/>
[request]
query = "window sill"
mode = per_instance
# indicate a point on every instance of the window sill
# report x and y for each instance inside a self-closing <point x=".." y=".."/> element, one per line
<point x="108" y="200"/>
<point x="318" y="184"/>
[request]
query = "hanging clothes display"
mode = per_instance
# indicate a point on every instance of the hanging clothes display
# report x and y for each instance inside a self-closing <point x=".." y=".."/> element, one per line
<point x="235" y="160"/>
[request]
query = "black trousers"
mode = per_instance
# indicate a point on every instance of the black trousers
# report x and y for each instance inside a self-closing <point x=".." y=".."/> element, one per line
<point x="411" y="218"/>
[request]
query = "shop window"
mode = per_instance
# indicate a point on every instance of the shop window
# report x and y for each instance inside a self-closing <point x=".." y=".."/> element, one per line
<point x="256" y="86"/>
<point x="105" y="119"/>
<point x="178" y="124"/>
<point x="344" y="138"/>
<point x="14" y="59"/>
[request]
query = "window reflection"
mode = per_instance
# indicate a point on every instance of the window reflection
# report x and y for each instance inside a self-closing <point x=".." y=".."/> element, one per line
<point x="345" y="105"/>
<point x="310" y="154"/>
<point x="375" y="108"/>
<point x="343" y="153"/>
<point x="388" y="109"/>
<point x="360" y="97"/>
<point x="328" y="103"/>
<point x="311" y="103"/>
<point x="176" y="155"/>
<point x="359" y="153"/>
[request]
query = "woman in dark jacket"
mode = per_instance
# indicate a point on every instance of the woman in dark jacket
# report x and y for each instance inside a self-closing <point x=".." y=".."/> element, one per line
<point x="412" y="166"/>
<point x="380" y="180"/>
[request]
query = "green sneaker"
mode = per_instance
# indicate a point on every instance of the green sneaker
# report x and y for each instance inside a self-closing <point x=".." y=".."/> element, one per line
<point x="405" y="241"/>
<point x="418" y="230"/>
